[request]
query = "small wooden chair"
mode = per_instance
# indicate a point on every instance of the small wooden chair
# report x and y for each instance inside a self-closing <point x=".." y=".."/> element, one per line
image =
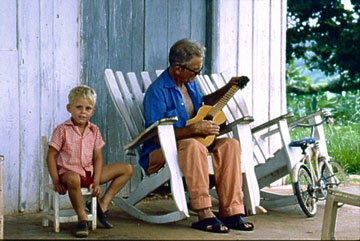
<point x="52" y="210"/>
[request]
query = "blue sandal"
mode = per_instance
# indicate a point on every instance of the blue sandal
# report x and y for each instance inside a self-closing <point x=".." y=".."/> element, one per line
<point x="214" y="223"/>
<point x="238" y="223"/>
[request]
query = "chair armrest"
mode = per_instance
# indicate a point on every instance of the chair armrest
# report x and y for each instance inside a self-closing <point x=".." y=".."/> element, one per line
<point x="271" y="122"/>
<point x="242" y="121"/>
<point x="149" y="132"/>
<point x="305" y="118"/>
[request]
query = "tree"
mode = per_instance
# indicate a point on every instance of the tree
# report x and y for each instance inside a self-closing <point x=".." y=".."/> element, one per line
<point x="327" y="37"/>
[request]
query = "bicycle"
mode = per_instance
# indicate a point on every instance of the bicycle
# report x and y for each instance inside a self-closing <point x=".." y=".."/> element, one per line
<point x="316" y="172"/>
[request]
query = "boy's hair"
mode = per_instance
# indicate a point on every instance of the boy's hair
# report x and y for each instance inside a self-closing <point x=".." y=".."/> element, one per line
<point x="82" y="91"/>
<point x="184" y="50"/>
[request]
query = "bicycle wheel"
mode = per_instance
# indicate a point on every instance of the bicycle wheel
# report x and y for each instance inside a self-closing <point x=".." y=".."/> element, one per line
<point x="304" y="190"/>
<point x="335" y="179"/>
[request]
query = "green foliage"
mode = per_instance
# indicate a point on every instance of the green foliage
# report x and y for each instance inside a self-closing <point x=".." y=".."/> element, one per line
<point x="295" y="76"/>
<point x="344" y="147"/>
<point x="326" y="36"/>
<point x="345" y="107"/>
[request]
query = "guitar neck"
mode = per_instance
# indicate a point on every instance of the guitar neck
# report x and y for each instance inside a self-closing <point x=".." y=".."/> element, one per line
<point x="224" y="100"/>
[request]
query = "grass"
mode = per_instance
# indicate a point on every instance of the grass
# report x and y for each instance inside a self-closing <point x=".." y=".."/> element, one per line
<point x="343" y="146"/>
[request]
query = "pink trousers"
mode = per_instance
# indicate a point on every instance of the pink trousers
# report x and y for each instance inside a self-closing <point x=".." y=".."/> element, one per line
<point x="194" y="166"/>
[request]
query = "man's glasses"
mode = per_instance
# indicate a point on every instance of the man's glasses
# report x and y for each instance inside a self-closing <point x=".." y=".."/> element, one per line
<point x="191" y="70"/>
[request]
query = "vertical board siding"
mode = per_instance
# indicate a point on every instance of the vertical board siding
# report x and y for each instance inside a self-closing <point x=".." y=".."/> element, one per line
<point x="178" y="26"/>
<point x="229" y="35"/>
<point x="283" y="55"/>
<point x="9" y="114"/>
<point x="8" y="21"/>
<point x="39" y="63"/>
<point x="66" y="52"/>
<point x="252" y="43"/>
<point x="10" y="131"/>
<point x="275" y="64"/>
<point x="198" y="21"/>
<point x="94" y="58"/>
<point x="120" y="57"/>
<point x="155" y="35"/>
<point x="261" y="61"/>
<point x="46" y="76"/>
<point x="259" y="54"/>
<point x="29" y="92"/>
<point x="245" y="48"/>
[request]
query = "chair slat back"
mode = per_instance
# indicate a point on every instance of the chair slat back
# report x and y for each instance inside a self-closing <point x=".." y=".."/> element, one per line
<point x="239" y="98"/>
<point x="130" y="102"/>
<point x="206" y="84"/>
<point x="146" y="80"/>
<point x="137" y="94"/>
<point x="117" y="97"/>
<point x="232" y="106"/>
<point x="202" y="84"/>
<point x="159" y="72"/>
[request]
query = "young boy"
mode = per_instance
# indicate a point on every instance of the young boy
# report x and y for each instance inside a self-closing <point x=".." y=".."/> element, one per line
<point x="75" y="159"/>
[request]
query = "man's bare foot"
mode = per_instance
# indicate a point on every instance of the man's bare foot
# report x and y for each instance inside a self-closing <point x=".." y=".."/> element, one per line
<point x="207" y="213"/>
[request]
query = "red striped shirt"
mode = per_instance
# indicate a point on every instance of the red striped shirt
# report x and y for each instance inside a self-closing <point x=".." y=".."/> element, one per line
<point x="75" y="151"/>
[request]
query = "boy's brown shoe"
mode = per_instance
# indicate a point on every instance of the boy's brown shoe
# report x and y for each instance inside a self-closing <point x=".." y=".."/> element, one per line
<point x="82" y="229"/>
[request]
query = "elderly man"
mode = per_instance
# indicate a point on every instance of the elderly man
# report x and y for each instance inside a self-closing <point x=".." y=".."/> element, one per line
<point x="175" y="93"/>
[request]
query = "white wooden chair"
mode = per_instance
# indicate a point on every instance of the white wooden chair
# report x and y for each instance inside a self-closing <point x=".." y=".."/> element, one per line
<point x="128" y="101"/>
<point x="238" y="128"/>
<point x="52" y="209"/>
<point x="269" y="166"/>
<point x="129" y="106"/>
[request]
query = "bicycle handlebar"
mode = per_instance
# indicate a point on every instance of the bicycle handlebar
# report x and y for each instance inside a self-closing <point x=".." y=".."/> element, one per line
<point x="327" y="119"/>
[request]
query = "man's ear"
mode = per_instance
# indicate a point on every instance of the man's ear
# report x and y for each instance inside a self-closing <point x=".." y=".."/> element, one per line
<point x="177" y="69"/>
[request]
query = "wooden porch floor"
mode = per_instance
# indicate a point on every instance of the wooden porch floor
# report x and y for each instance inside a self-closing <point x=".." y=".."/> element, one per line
<point x="283" y="223"/>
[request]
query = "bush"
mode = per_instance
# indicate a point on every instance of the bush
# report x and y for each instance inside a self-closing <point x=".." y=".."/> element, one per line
<point x="345" y="107"/>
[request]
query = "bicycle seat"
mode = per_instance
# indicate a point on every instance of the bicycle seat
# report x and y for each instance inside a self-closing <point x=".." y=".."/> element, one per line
<point x="301" y="142"/>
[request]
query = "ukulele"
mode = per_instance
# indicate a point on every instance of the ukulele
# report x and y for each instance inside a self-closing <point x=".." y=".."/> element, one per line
<point x="214" y="113"/>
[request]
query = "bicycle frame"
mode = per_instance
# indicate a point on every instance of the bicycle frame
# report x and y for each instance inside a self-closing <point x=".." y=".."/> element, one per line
<point x="314" y="161"/>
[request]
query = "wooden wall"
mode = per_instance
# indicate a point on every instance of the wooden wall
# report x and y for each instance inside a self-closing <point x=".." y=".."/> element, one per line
<point x="252" y="43"/>
<point x="39" y="63"/>
<point x="48" y="47"/>
<point x="251" y="40"/>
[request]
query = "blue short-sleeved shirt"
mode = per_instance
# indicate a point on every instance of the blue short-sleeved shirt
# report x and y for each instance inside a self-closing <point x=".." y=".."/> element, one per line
<point x="163" y="99"/>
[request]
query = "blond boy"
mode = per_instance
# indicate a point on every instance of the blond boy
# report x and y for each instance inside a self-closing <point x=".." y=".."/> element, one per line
<point x="75" y="159"/>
